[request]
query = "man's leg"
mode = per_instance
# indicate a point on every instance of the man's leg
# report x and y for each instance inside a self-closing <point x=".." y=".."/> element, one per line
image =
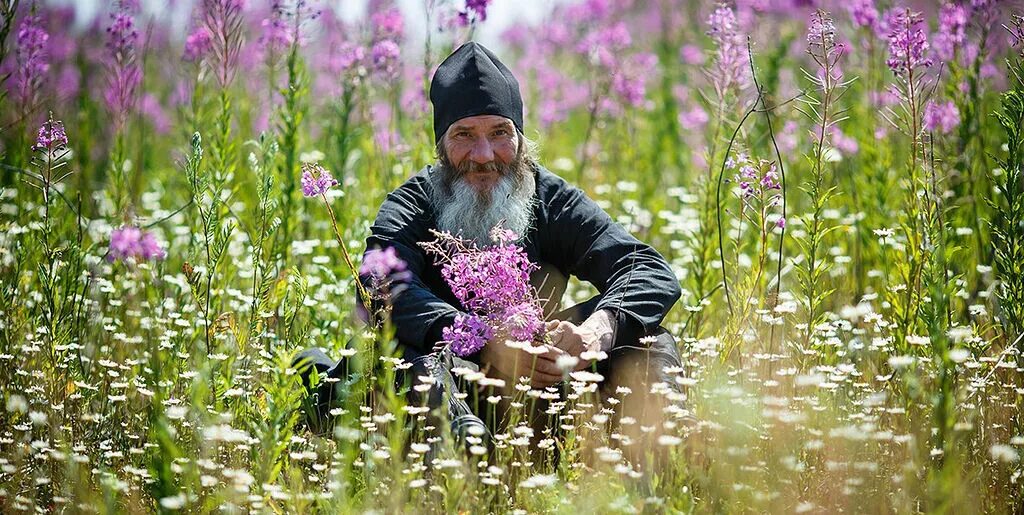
<point x="440" y="392"/>
<point x="650" y="401"/>
<point x="323" y="392"/>
<point x="430" y="383"/>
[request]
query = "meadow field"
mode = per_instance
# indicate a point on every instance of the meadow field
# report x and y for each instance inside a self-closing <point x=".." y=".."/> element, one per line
<point x="837" y="185"/>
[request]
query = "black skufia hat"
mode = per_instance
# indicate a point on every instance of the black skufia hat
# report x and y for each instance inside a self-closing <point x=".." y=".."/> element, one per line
<point x="470" y="82"/>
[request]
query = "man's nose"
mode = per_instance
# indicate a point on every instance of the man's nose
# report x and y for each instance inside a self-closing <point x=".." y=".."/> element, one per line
<point x="482" y="153"/>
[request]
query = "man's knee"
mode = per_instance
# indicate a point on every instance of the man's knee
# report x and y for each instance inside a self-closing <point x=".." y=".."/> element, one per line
<point x="643" y="378"/>
<point x="309" y="360"/>
<point x="651" y="360"/>
<point x="315" y="369"/>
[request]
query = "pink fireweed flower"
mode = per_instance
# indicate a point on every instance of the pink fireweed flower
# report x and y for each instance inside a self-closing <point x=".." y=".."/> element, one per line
<point x="476" y="11"/>
<point x="467" y="335"/>
<point x="381" y="263"/>
<point x="908" y="45"/>
<point x="822" y="31"/>
<point x="316" y="180"/>
<point x="630" y="80"/>
<point x="731" y="55"/>
<point x="844" y="143"/>
<point x="523" y="321"/>
<point x="387" y="24"/>
<point x="51" y="136"/>
<point x="864" y="13"/>
<point x="754" y="178"/>
<point x="197" y="45"/>
<point x="276" y="34"/>
<point x="286" y="25"/>
<point x="952" y="31"/>
<point x="490" y="279"/>
<point x="385" y="55"/>
<point x="1016" y="29"/>
<point x="770" y="180"/>
<point x="502" y="235"/>
<point x="492" y="284"/>
<point x="130" y="242"/>
<point x="602" y="46"/>
<point x="384" y="273"/>
<point x="759" y="191"/>
<point x="124" y="75"/>
<point x="691" y="54"/>
<point x="31" y="56"/>
<point x="941" y="116"/>
<point x="223" y="19"/>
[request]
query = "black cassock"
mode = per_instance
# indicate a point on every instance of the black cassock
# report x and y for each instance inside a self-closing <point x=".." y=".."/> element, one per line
<point x="570" y="232"/>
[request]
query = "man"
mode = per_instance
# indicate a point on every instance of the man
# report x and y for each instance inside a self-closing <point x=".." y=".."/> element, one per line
<point x="487" y="174"/>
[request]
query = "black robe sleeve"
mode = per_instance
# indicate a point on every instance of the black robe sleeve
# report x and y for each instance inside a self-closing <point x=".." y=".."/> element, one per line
<point x="637" y="284"/>
<point x="403" y="220"/>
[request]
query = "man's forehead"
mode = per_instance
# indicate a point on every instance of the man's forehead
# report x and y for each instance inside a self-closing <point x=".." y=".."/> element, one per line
<point x="482" y="121"/>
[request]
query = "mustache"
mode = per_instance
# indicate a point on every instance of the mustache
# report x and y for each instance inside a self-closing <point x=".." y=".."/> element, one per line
<point x="470" y="166"/>
<point x="453" y="174"/>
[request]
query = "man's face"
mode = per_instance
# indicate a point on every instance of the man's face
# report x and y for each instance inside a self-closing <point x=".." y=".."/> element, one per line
<point x="480" y="147"/>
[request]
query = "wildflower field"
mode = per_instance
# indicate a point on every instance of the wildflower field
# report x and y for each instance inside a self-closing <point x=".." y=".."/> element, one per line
<point x="186" y="191"/>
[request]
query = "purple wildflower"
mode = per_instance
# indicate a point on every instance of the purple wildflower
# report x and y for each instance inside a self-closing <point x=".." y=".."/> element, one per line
<point x="842" y="142"/>
<point x="907" y="42"/>
<point x="952" y="31"/>
<point x="387" y="24"/>
<point x="385" y="55"/>
<point x="31" y="56"/>
<point x="864" y="13"/>
<point x="730" y="56"/>
<point x="149" y="248"/>
<point x="770" y="179"/>
<point x="197" y="45"/>
<point x="491" y="283"/>
<point x="223" y="19"/>
<point x="379" y="264"/>
<point x="630" y="80"/>
<point x="124" y="72"/>
<point x="523" y="321"/>
<point x="759" y="183"/>
<point x="694" y="118"/>
<point x="601" y="46"/>
<point x="316" y="180"/>
<point x="490" y="279"/>
<point x="385" y="272"/>
<point x="822" y="32"/>
<point x="755" y="179"/>
<point x="476" y="11"/>
<point x="502" y="236"/>
<point x="781" y="223"/>
<point x="691" y="54"/>
<point x="130" y="242"/>
<point x="276" y="34"/>
<point x="349" y="55"/>
<point x="467" y="335"/>
<point x="1016" y="29"/>
<point x="942" y="117"/>
<point x="51" y="136"/>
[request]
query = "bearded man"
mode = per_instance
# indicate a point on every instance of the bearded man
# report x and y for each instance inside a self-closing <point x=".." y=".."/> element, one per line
<point x="486" y="173"/>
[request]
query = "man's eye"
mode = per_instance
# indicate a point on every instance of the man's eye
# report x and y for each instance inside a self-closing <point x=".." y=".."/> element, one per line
<point x="501" y="132"/>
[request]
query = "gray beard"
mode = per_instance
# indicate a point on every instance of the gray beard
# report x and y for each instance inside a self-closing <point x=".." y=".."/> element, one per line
<point x="463" y="212"/>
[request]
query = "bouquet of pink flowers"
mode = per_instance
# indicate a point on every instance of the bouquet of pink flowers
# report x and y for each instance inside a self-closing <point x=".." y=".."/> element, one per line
<point x="493" y="284"/>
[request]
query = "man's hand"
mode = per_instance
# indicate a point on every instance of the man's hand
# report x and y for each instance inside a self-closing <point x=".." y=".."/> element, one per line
<point x="588" y="341"/>
<point x="510" y="362"/>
